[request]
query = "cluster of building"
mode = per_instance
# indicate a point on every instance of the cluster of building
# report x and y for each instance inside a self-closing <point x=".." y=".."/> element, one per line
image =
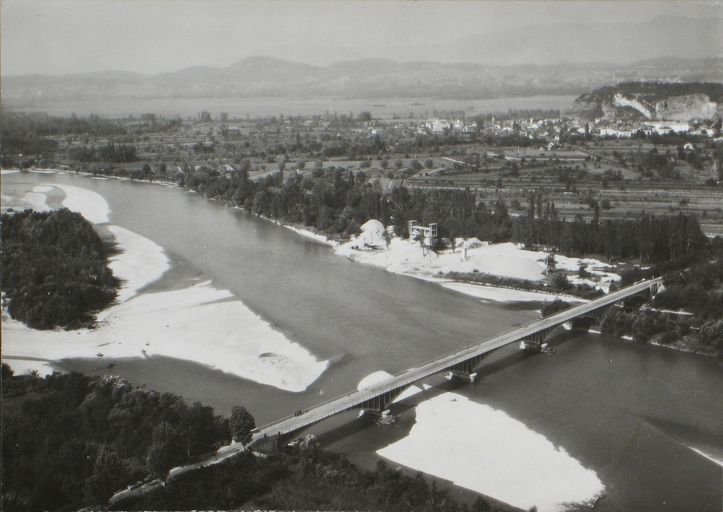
<point x="626" y="129"/>
<point x="552" y="128"/>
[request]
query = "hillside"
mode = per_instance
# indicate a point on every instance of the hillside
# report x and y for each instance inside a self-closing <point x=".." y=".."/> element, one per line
<point x="685" y="101"/>
<point x="621" y="42"/>
<point x="367" y="78"/>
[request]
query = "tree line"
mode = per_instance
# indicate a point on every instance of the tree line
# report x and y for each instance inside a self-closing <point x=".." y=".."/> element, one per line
<point x="337" y="202"/>
<point x="29" y="134"/>
<point x="110" y="152"/>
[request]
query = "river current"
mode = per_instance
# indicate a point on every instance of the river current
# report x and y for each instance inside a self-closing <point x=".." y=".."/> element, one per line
<point x="646" y="419"/>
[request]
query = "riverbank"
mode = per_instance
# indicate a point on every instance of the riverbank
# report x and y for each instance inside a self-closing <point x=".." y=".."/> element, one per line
<point x="197" y="323"/>
<point x="685" y="345"/>
<point x="406" y="257"/>
<point x="504" y="260"/>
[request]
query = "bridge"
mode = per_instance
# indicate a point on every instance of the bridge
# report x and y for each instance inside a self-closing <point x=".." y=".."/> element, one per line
<point x="459" y="364"/>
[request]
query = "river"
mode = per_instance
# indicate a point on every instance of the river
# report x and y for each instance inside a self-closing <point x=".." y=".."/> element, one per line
<point x="633" y="414"/>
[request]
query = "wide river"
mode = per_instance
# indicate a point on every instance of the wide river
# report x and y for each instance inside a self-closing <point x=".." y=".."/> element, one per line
<point x="635" y="415"/>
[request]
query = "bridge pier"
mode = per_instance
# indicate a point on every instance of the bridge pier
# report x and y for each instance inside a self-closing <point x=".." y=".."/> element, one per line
<point x="592" y="318"/>
<point x="384" y="417"/>
<point x="465" y="371"/>
<point x="536" y="340"/>
<point x="462" y="376"/>
<point x="378" y="405"/>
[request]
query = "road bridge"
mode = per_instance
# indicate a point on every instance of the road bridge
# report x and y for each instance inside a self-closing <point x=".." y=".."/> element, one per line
<point x="460" y="364"/>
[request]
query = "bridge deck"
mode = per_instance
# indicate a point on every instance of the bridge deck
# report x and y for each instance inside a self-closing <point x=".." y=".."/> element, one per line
<point x="355" y="398"/>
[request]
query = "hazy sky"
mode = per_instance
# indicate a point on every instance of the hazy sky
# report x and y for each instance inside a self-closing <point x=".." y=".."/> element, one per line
<point x="151" y="36"/>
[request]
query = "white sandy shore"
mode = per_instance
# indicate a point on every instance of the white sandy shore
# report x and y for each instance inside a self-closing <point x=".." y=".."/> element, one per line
<point x="406" y="257"/>
<point x="27" y="366"/>
<point x="89" y="204"/>
<point x="38" y="198"/>
<point x="708" y="456"/>
<point x="498" y="294"/>
<point x="310" y="234"/>
<point x="140" y="263"/>
<point x="199" y="323"/>
<point x="306" y="233"/>
<point x="4" y="172"/>
<point x="487" y="451"/>
<point x="504" y="260"/>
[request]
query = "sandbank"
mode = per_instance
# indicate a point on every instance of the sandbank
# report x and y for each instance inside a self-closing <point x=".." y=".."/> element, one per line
<point x="487" y="451"/>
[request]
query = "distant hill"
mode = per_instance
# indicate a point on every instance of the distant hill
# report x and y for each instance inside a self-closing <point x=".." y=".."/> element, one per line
<point x="622" y="43"/>
<point x="367" y="78"/>
<point x="619" y="43"/>
<point x="652" y="100"/>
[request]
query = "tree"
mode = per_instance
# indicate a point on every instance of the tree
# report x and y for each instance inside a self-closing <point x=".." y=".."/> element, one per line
<point x="167" y="450"/>
<point x="560" y="282"/>
<point x="644" y="326"/>
<point x="241" y="424"/>
<point x="550" y="262"/>
<point x="7" y="372"/>
<point x="109" y="473"/>
<point x="582" y="270"/>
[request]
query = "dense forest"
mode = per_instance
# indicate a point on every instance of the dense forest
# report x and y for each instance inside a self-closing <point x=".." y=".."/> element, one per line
<point x="54" y="269"/>
<point x="337" y="202"/>
<point x="70" y="440"/>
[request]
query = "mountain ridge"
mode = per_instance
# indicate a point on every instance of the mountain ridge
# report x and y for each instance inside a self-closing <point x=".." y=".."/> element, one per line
<point x="373" y="78"/>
